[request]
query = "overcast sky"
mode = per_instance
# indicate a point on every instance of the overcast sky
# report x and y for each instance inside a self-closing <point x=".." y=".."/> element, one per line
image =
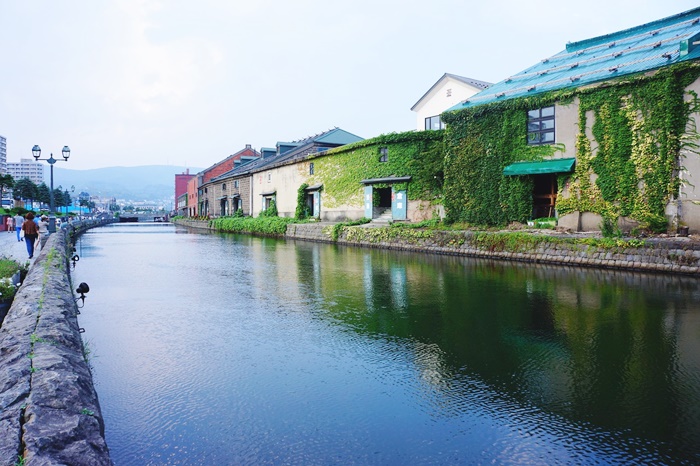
<point x="185" y="82"/>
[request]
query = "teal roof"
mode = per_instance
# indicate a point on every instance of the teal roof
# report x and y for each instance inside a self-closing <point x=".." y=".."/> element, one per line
<point x="642" y="48"/>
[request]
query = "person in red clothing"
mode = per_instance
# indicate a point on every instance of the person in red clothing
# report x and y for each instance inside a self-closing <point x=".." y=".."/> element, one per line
<point x="31" y="233"/>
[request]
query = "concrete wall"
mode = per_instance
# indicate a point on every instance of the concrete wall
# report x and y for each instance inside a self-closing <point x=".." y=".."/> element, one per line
<point x="49" y="411"/>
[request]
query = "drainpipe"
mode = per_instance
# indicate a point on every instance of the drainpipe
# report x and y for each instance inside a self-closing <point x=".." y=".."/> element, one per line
<point x="250" y="198"/>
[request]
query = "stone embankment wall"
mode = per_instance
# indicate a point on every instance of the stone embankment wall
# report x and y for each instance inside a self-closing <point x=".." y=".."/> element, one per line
<point x="668" y="255"/>
<point x="49" y="411"/>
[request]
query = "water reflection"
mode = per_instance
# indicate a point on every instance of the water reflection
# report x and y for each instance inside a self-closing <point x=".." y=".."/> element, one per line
<point x="265" y="351"/>
<point x="597" y="347"/>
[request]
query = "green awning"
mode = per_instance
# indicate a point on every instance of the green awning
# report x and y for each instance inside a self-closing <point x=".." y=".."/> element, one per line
<point x="540" y="168"/>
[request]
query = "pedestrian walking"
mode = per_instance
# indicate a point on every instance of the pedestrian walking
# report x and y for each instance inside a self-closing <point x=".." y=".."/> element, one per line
<point x="19" y="220"/>
<point x="10" y="223"/>
<point x="43" y="232"/>
<point x="31" y="233"/>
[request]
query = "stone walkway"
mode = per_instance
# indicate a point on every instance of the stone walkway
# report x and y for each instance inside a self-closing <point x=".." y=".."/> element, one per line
<point x="13" y="249"/>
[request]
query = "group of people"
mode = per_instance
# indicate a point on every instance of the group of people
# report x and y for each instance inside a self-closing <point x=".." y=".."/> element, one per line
<point x="34" y="231"/>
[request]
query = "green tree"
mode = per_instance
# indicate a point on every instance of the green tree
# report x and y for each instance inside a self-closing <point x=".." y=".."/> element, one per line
<point x="58" y="199"/>
<point x="6" y="182"/>
<point x="25" y="190"/>
<point x="67" y="200"/>
<point x="43" y="194"/>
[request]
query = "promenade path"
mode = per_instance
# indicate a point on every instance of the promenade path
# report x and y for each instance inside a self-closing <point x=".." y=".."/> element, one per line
<point x="13" y="249"/>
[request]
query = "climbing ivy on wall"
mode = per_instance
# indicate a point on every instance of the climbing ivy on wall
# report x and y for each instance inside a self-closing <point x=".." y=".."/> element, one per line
<point x="630" y="168"/>
<point x="638" y="127"/>
<point x="302" y="210"/>
<point x="415" y="154"/>
<point x="480" y="142"/>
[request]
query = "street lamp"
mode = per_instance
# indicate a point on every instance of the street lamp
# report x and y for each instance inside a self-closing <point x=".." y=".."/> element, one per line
<point x="36" y="152"/>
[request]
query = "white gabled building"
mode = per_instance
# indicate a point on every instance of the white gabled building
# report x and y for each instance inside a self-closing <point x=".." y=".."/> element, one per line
<point x="447" y="92"/>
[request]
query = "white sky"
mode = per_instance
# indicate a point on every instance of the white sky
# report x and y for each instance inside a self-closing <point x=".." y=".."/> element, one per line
<point x="185" y="82"/>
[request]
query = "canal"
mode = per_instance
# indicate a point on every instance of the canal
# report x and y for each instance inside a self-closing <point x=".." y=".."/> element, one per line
<point x="224" y="349"/>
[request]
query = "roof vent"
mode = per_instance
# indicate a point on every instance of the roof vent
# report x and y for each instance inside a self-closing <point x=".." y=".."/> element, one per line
<point x="580" y="52"/>
<point x="509" y="80"/>
<point x="531" y="88"/>
<point x="611" y="45"/>
<point x="546" y="60"/>
<point x="653" y="33"/>
<point x="573" y="65"/>
<point x="655" y="45"/>
<point x="574" y="78"/>
<point x="542" y="72"/>
<point x="500" y="94"/>
<point x="617" y="54"/>
<point x="613" y="69"/>
<point x="667" y="55"/>
<point x="696" y="21"/>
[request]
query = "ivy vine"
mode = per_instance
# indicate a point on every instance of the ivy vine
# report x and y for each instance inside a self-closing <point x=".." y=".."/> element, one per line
<point x="302" y="210"/>
<point x="639" y="126"/>
<point x="480" y="143"/>
<point x="418" y="154"/>
<point x="640" y="129"/>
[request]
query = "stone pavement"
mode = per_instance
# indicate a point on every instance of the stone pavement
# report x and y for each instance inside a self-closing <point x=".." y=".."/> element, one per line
<point x="13" y="249"/>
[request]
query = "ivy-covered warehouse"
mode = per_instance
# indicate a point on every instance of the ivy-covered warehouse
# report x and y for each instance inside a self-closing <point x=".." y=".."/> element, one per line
<point x="600" y="135"/>
<point x="397" y="176"/>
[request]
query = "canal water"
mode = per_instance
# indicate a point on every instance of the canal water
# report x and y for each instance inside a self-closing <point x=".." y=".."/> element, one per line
<point x="224" y="349"/>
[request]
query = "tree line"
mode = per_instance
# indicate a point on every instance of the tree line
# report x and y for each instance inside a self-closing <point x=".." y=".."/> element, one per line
<point x="28" y="191"/>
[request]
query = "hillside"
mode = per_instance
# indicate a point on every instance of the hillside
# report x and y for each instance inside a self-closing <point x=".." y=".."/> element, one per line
<point x="144" y="183"/>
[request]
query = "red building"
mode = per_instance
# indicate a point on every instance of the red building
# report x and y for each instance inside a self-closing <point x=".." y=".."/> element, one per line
<point x="181" y="184"/>
<point x="192" y="197"/>
<point x="228" y="163"/>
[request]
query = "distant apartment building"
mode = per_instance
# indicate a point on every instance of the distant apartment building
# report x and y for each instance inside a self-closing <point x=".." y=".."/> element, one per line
<point x="3" y="155"/>
<point x="27" y="168"/>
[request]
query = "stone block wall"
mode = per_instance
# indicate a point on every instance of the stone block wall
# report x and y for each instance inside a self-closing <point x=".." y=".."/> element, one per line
<point x="678" y="255"/>
<point x="49" y="411"/>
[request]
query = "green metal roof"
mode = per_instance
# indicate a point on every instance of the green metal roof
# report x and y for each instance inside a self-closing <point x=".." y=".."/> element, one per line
<point x="540" y="168"/>
<point x="337" y="136"/>
<point x="642" y="48"/>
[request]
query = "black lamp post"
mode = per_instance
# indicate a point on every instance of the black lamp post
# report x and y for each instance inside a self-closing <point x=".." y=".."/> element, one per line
<point x="36" y="152"/>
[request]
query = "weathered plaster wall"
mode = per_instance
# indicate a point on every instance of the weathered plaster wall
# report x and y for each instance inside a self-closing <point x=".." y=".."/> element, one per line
<point x="566" y="128"/>
<point x="285" y="180"/>
<point x="49" y="411"/>
<point x="690" y="190"/>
